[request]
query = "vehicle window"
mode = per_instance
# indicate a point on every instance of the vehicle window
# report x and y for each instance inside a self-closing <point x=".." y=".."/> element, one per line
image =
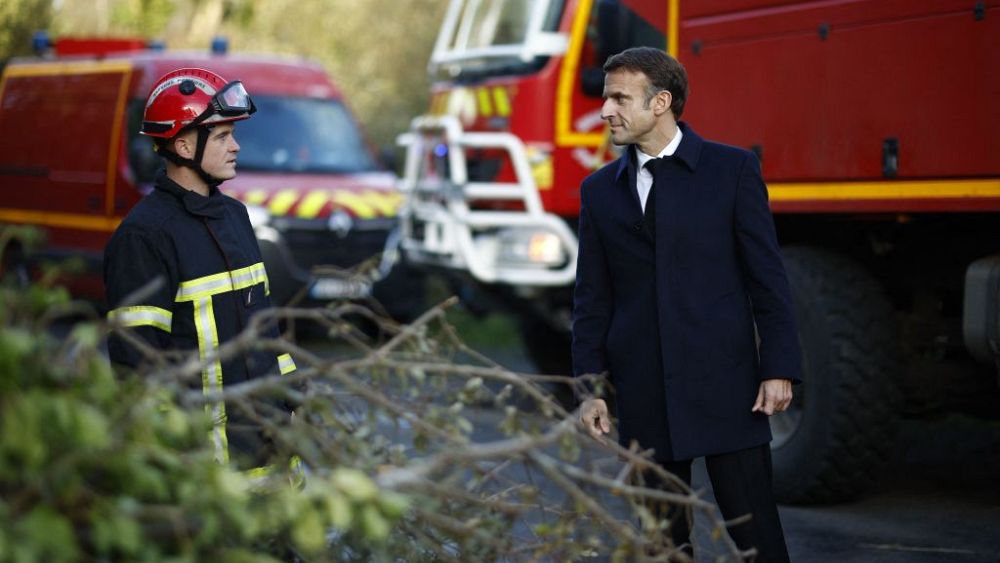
<point x="614" y="27"/>
<point x="302" y="135"/>
<point x="489" y="36"/>
<point x="494" y="22"/>
<point x="292" y="135"/>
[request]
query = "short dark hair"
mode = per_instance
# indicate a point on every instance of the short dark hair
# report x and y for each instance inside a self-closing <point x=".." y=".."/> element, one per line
<point x="663" y="72"/>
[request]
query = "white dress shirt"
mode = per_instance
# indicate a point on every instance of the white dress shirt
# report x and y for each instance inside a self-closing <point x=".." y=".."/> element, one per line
<point x="644" y="178"/>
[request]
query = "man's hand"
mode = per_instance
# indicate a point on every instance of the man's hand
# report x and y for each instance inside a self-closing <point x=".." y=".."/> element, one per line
<point x="594" y="416"/>
<point x="774" y="396"/>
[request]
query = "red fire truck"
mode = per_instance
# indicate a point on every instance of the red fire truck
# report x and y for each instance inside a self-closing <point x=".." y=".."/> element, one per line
<point x="876" y="122"/>
<point x="73" y="163"/>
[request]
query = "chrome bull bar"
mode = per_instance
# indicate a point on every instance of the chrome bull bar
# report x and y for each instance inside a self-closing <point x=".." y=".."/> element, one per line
<point x="526" y="246"/>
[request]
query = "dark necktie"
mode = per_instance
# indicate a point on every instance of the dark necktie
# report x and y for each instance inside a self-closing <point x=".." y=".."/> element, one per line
<point x="649" y="213"/>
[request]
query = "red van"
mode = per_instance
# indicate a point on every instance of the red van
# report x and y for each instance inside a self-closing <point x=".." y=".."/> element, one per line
<point x="72" y="162"/>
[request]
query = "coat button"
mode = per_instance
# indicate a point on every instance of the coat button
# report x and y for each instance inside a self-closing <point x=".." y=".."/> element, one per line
<point x="637" y="227"/>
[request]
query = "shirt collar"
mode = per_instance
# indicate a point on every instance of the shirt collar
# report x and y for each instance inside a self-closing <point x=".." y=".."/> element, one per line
<point x="687" y="152"/>
<point x="642" y="158"/>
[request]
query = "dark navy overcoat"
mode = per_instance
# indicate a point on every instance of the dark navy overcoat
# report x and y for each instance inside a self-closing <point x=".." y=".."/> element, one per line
<point x="672" y="323"/>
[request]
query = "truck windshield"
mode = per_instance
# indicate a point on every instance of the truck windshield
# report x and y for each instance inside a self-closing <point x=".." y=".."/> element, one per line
<point x="291" y="135"/>
<point x="496" y="37"/>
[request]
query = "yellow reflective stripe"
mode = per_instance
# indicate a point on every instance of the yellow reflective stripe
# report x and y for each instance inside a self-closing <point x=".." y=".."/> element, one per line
<point x="312" y="203"/>
<point x="296" y="477"/>
<point x="387" y="203"/>
<point x="192" y="289"/>
<point x="211" y="374"/>
<point x="259" y="472"/>
<point x="485" y="105"/>
<point x="283" y="201"/>
<point x="255" y="197"/>
<point x="543" y="173"/>
<point x="222" y="282"/>
<point x="142" y="315"/>
<point x="501" y="101"/>
<point x="439" y="104"/>
<point x="286" y="364"/>
<point x="251" y="275"/>
<point x="358" y="205"/>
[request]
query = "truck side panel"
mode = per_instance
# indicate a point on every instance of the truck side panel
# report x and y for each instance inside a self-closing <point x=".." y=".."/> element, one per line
<point x="819" y="86"/>
<point x="60" y="131"/>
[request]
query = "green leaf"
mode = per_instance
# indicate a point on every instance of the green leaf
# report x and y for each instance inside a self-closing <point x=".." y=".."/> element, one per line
<point x="339" y="511"/>
<point x="374" y="526"/>
<point x="307" y="532"/>
<point x="47" y="536"/>
<point x="355" y="484"/>
<point x="393" y="504"/>
<point x="244" y="556"/>
<point x="91" y="427"/>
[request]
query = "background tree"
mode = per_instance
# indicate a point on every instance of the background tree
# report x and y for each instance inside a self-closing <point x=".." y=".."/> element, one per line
<point x="376" y="50"/>
<point x="18" y="20"/>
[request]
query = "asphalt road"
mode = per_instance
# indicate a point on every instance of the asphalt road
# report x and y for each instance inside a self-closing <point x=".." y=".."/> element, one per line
<point x="937" y="500"/>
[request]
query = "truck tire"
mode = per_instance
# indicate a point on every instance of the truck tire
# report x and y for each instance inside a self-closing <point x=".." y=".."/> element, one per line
<point x="838" y="432"/>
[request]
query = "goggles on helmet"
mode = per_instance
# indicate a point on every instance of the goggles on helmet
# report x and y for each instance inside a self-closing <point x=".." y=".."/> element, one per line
<point x="231" y="101"/>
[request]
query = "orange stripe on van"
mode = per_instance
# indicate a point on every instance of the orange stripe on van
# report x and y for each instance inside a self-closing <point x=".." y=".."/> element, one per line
<point x="61" y="220"/>
<point x="116" y="130"/>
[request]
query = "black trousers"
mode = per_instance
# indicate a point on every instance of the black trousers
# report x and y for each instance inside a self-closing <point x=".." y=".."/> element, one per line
<point x="742" y="482"/>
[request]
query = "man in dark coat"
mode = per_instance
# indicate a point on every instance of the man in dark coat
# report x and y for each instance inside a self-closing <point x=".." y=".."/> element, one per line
<point x="678" y="264"/>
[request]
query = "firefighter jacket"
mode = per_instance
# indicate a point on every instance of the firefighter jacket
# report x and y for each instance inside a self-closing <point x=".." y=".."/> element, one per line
<point x="204" y="251"/>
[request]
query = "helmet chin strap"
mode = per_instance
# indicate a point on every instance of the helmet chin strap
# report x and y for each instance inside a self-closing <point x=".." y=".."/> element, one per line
<point x="192" y="163"/>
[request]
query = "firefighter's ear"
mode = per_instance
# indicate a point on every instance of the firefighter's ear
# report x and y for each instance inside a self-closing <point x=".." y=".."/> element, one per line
<point x="184" y="145"/>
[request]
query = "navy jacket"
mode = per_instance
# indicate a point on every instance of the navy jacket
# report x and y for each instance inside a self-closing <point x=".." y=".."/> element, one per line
<point x="673" y="323"/>
<point x="204" y="251"/>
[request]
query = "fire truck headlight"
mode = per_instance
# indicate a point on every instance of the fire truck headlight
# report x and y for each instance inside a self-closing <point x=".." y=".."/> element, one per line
<point x="529" y="247"/>
<point x="259" y="216"/>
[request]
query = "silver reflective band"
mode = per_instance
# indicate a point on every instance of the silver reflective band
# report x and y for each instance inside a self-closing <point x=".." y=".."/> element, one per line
<point x="222" y="282"/>
<point x="211" y="374"/>
<point x="142" y="315"/>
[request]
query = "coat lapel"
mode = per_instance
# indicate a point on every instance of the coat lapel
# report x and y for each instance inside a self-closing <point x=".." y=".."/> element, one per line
<point x="626" y="190"/>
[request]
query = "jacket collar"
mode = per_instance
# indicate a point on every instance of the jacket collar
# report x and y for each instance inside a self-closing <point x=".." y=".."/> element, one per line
<point x="195" y="203"/>
<point x="687" y="152"/>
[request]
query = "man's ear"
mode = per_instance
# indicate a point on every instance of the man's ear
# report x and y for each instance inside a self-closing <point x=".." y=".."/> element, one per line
<point x="184" y="146"/>
<point x="662" y="101"/>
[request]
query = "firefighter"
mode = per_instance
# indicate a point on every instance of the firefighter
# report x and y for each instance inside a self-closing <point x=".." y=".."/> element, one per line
<point x="183" y="270"/>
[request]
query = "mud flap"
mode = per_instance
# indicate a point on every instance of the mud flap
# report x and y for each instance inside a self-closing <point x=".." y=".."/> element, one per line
<point x="981" y="315"/>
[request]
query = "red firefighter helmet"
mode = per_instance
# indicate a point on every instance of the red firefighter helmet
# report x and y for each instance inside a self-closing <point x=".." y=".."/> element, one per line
<point x="188" y="97"/>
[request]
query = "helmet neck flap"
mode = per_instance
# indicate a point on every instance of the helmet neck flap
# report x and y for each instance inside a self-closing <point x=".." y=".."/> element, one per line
<point x="162" y="147"/>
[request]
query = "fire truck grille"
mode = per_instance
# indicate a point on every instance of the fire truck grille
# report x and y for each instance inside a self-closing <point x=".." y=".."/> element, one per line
<point x="326" y="248"/>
